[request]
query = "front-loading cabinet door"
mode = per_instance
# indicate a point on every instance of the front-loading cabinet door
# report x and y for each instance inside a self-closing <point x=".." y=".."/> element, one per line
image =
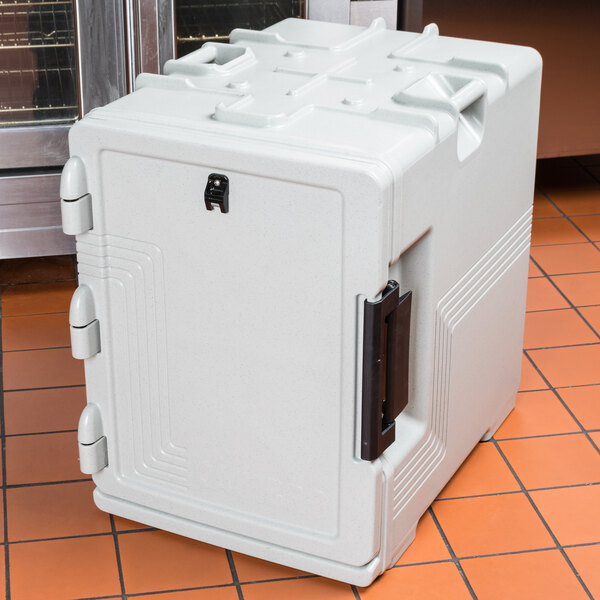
<point x="227" y="378"/>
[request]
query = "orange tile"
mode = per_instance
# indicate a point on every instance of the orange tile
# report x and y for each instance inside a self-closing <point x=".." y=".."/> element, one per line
<point x="428" y="545"/>
<point x="571" y="513"/>
<point x="530" y="378"/>
<point x="585" y="403"/>
<point x="569" y="258"/>
<point x="49" y="511"/>
<point x="36" y="298"/>
<point x="440" y="581"/>
<point x="249" y="568"/>
<point x="586" y="560"/>
<point x="484" y="472"/>
<point x="554" y="231"/>
<point x="590" y="226"/>
<point x="553" y="461"/>
<point x="577" y="202"/>
<point x="122" y="524"/>
<point x="596" y="438"/>
<point x="72" y="568"/>
<point x="527" y="576"/>
<point x="221" y="593"/>
<point x="491" y="524"/>
<point x="2" y="575"/>
<point x="543" y="208"/>
<point x="537" y="413"/>
<point x="550" y="328"/>
<point x="36" y="270"/>
<point x="41" y="368"/>
<point x="36" y="331"/>
<point x="156" y="560"/>
<point x="592" y="315"/>
<point x="542" y="295"/>
<point x="533" y="270"/>
<point x="312" y="588"/>
<point x="563" y="367"/>
<point x="38" y="411"/>
<point x="582" y="289"/>
<point x="41" y="458"/>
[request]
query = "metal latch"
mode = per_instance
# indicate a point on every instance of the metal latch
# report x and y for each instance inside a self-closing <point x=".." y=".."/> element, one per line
<point x="85" y="328"/>
<point x="93" y="449"/>
<point x="76" y="202"/>
<point x="216" y="193"/>
<point x="386" y="339"/>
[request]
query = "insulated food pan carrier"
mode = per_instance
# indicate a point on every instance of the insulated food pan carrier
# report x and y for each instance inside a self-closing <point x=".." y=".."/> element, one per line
<point x="302" y="266"/>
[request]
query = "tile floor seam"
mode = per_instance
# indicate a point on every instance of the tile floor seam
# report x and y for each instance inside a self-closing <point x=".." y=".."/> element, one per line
<point x="13" y="435"/>
<point x="536" y="348"/>
<point x="355" y="592"/>
<point x="543" y="520"/>
<point x="172" y="591"/>
<point x="234" y="575"/>
<point x="36" y="282"/>
<point x="36" y="349"/>
<point x="425" y="562"/>
<point x="53" y="387"/>
<point x="565" y="405"/>
<point x="43" y="314"/>
<point x="559" y="309"/>
<point x="113" y="533"/>
<point x="13" y="486"/>
<point x="3" y="459"/>
<point x="452" y="553"/>
<point x="563" y="217"/>
<point x="587" y="169"/>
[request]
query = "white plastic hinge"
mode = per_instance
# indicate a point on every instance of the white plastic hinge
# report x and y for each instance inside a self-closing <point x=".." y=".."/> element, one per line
<point x="76" y="215"/>
<point x="93" y="457"/>
<point x="85" y="341"/>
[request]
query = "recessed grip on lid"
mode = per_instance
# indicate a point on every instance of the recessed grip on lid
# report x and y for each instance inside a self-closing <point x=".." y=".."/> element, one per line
<point x="386" y="344"/>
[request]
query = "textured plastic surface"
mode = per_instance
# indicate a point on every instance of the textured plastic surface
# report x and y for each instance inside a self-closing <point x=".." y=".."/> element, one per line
<point x="229" y="378"/>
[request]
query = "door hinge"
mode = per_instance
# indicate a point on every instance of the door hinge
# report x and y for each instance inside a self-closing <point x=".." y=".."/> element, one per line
<point x="386" y="339"/>
<point x="85" y="328"/>
<point x="76" y="202"/>
<point x="93" y="449"/>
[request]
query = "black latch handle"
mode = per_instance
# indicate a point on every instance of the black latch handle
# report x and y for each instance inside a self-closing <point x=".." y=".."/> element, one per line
<point x="385" y="368"/>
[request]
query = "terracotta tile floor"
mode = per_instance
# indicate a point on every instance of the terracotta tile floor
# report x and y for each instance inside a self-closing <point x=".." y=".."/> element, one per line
<point x="520" y="519"/>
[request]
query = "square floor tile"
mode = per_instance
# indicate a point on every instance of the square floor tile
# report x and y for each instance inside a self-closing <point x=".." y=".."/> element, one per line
<point x="36" y="298"/>
<point x="428" y="545"/>
<point x="569" y="258"/>
<point x="39" y="411"/>
<point x="582" y="289"/>
<point x="550" y="328"/>
<point x="585" y="403"/>
<point x="577" y="202"/>
<point x="586" y="560"/>
<point x="543" y="208"/>
<point x="590" y="225"/>
<point x="571" y="513"/>
<point x="156" y="560"/>
<point x="527" y="576"/>
<point x="537" y="413"/>
<point x="313" y="588"/>
<point x="37" y="269"/>
<point x="41" y="458"/>
<point x="491" y="524"/>
<point x="35" y="332"/>
<point x="592" y="315"/>
<point x="249" y="568"/>
<point x="564" y="367"/>
<point x="484" y="472"/>
<point x="530" y="378"/>
<point x="220" y="593"/>
<point x="41" y="368"/>
<point x="440" y="581"/>
<point x="554" y="231"/>
<point x="65" y="569"/>
<point x="542" y="295"/>
<point x="553" y="461"/>
<point x="50" y="511"/>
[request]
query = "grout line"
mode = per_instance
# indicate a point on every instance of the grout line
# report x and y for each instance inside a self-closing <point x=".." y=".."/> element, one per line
<point x="189" y="589"/>
<point x="52" y="387"/>
<point x="35" y="349"/>
<point x="452" y="553"/>
<point x="42" y="314"/>
<point x="13" y="486"/>
<point x="561" y="274"/>
<point x="234" y="575"/>
<point x="309" y="576"/>
<point x="36" y="282"/>
<point x="355" y="592"/>
<point x="535" y="437"/>
<point x="98" y="598"/>
<point x="564" y="345"/>
<point x="419" y="564"/>
<point x="539" y="514"/>
<point x="115" y="537"/>
<point x="539" y="310"/>
<point x="13" y="435"/>
<point x="3" y="458"/>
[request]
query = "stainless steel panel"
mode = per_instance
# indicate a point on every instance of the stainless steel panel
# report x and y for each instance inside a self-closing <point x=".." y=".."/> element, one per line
<point x="40" y="146"/>
<point x="30" y="189"/>
<point x="100" y="52"/>
<point x="334" y="11"/>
